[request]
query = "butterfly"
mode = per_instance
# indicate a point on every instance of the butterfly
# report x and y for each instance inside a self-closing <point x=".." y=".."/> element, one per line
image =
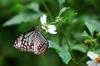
<point x="32" y="41"/>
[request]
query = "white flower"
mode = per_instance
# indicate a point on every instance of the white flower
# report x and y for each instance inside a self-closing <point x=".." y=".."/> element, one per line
<point x="49" y="28"/>
<point x="43" y="19"/>
<point x="52" y="29"/>
<point x="95" y="59"/>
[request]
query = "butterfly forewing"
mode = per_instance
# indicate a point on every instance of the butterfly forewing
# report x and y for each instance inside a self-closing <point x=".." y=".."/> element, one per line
<point x="32" y="41"/>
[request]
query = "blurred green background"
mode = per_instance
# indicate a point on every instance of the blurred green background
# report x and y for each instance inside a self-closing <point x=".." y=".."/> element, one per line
<point x="74" y="20"/>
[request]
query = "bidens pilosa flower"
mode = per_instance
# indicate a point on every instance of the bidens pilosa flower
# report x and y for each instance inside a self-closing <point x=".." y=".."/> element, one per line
<point x="49" y="28"/>
<point x="95" y="59"/>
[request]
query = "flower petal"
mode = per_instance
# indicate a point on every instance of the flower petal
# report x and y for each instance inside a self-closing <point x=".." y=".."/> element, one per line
<point x="52" y="31"/>
<point x="43" y="19"/>
<point x="92" y="55"/>
<point x="52" y="27"/>
<point x="43" y="27"/>
<point x="92" y="63"/>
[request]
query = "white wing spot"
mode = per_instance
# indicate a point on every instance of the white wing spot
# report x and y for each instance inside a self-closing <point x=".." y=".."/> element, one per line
<point x="28" y="47"/>
<point x="32" y="47"/>
<point x="26" y="43"/>
<point x="25" y="47"/>
<point x="21" y="45"/>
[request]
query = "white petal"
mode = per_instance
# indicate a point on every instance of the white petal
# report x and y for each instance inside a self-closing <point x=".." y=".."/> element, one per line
<point x="52" y="27"/>
<point x="92" y="63"/>
<point x="43" y="19"/>
<point x="52" y="31"/>
<point x="43" y="27"/>
<point x="92" y="55"/>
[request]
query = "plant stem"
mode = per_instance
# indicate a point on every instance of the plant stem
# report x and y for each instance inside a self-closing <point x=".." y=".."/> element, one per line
<point x="45" y="6"/>
<point x="70" y="50"/>
<point x="82" y="59"/>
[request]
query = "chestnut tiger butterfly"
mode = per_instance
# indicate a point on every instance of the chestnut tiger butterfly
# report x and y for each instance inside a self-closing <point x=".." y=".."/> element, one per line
<point x="32" y="41"/>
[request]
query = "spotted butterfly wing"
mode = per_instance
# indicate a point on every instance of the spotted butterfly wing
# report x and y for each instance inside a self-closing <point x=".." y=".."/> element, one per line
<point x="32" y="41"/>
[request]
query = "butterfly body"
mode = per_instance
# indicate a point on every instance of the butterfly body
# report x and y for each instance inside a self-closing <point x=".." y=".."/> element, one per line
<point x="32" y="41"/>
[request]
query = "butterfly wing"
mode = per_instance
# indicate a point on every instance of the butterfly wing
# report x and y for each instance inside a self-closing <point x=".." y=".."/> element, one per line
<point x="32" y="41"/>
<point x="24" y="42"/>
<point x="40" y="43"/>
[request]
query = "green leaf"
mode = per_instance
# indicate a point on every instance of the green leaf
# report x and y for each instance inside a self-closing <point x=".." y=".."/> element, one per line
<point x="61" y="2"/>
<point x="21" y="17"/>
<point x="62" y="10"/>
<point x="94" y="23"/>
<point x="80" y="47"/>
<point x="18" y="7"/>
<point x="54" y="45"/>
<point x="90" y="28"/>
<point x="88" y="22"/>
<point x="86" y="35"/>
<point x="67" y="13"/>
<point x="98" y="51"/>
<point x="34" y="6"/>
<point x="64" y="54"/>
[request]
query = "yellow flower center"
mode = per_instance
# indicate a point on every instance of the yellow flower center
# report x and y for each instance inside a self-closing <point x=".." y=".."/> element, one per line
<point x="98" y="59"/>
<point x="88" y="42"/>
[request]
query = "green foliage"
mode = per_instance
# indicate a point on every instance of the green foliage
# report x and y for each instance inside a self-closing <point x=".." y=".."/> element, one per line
<point x="80" y="47"/>
<point x="34" y="6"/>
<point x="22" y="17"/>
<point x="64" y="54"/>
<point x="77" y="26"/>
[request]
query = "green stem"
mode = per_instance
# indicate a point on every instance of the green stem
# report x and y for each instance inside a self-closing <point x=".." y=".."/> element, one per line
<point x="82" y="59"/>
<point x="85" y="56"/>
<point x="94" y="44"/>
<point x="45" y="6"/>
<point x="70" y="50"/>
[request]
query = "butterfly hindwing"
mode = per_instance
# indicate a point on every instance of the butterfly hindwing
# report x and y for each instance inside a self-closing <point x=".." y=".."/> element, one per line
<point x="40" y="43"/>
<point x="32" y="41"/>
